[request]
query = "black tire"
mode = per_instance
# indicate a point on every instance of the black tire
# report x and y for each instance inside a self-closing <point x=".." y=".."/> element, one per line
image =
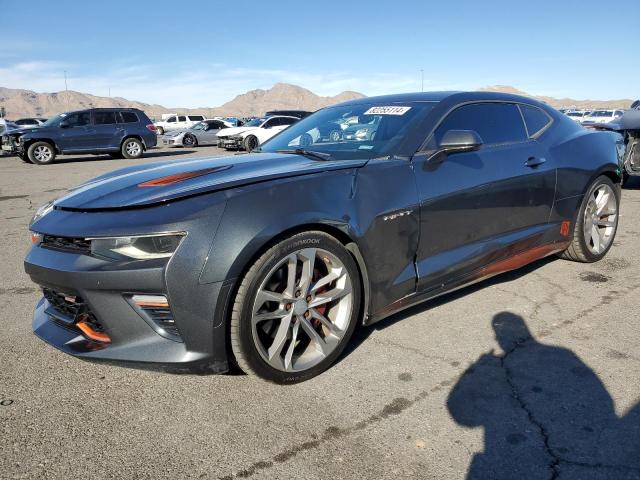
<point x="25" y="158"/>
<point x="132" y="148"/>
<point x="578" y="250"/>
<point x="251" y="143"/>
<point x="244" y="348"/>
<point x="189" y="141"/>
<point x="41" y="153"/>
<point x="159" y="131"/>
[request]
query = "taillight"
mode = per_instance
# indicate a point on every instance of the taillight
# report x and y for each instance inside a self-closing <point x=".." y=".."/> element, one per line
<point x="151" y="127"/>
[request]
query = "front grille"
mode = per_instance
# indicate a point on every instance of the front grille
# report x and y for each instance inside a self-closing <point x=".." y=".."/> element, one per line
<point x="67" y="244"/>
<point x="70" y="309"/>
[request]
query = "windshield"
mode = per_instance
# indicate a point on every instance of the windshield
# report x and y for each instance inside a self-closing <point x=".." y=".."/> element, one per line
<point x="54" y="121"/>
<point x="352" y="131"/>
<point x="199" y="126"/>
<point x="256" y="122"/>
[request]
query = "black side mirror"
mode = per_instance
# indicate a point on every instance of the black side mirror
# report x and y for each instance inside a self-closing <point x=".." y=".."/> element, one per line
<point x="64" y="124"/>
<point x="455" y="141"/>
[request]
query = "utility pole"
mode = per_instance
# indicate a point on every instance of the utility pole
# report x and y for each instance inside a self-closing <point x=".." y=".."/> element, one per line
<point x="421" y="80"/>
<point x="65" y="81"/>
<point x="109" y="92"/>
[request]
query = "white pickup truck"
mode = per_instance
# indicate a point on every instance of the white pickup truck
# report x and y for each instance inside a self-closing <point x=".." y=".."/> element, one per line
<point x="177" y="122"/>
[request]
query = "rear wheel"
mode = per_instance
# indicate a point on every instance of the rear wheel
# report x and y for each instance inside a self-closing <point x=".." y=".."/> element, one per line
<point x="597" y="222"/>
<point x="159" y="130"/>
<point x="296" y="309"/>
<point x="132" y="148"/>
<point x="41" y="153"/>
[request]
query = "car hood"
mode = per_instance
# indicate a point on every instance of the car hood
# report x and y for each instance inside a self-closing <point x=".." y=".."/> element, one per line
<point x="227" y="132"/>
<point x="22" y="131"/>
<point x="175" y="133"/>
<point x="155" y="183"/>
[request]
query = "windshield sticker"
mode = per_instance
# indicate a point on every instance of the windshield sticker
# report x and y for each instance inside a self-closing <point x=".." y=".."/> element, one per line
<point x="391" y="110"/>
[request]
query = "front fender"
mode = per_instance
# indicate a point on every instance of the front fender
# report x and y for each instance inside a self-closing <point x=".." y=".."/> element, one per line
<point x="277" y="207"/>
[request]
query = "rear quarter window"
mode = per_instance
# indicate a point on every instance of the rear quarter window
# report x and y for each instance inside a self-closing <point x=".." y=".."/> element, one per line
<point x="128" y="117"/>
<point x="535" y="119"/>
<point x="196" y="118"/>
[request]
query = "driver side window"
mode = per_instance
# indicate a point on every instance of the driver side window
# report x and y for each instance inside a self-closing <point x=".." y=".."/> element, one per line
<point x="496" y="123"/>
<point x="78" y="119"/>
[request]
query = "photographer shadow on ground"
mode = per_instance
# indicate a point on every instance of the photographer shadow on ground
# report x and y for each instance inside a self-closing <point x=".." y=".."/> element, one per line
<point x="545" y="413"/>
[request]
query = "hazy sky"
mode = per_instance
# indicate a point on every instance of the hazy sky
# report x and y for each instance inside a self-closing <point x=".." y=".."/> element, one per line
<point x="202" y="53"/>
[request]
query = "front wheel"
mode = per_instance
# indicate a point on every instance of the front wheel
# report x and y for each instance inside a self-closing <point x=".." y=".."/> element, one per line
<point x="251" y="143"/>
<point x="296" y="309"/>
<point x="41" y="153"/>
<point x="596" y="224"/>
<point x="132" y="148"/>
<point x="189" y="141"/>
<point x="159" y="131"/>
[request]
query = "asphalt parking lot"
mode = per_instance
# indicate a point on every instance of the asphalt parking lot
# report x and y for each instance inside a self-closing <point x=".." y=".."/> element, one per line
<point x="534" y="374"/>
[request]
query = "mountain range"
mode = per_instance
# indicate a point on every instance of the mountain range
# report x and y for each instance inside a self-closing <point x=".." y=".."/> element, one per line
<point x="26" y="103"/>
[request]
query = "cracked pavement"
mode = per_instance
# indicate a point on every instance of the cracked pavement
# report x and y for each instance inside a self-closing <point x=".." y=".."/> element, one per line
<point x="533" y="374"/>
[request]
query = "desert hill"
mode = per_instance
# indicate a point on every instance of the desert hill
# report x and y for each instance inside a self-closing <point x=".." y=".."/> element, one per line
<point x="26" y="103"/>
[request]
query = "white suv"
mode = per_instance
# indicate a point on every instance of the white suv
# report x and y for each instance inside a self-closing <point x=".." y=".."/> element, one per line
<point x="177" y="122"/>
<point x="601" y="116"/>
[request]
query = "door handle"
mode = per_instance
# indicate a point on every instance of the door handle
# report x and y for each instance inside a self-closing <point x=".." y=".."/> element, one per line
<point x="534" y="161"/>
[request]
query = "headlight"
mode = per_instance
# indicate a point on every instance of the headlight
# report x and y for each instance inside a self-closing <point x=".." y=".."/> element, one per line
<point x="362" y="133"/>
<point x="41" y="212"/>
<point x="136" y="248"/>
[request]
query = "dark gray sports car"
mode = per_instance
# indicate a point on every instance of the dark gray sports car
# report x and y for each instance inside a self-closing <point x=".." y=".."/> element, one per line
<point x="270" y="260"/>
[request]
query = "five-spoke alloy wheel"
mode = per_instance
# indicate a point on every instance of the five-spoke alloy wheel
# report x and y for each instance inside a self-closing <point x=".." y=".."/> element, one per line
<point x="597" y="222"/>
<point x="296" y="308"/>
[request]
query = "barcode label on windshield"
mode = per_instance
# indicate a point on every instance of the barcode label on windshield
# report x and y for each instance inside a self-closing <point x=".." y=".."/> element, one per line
<point x="391" y="110"/>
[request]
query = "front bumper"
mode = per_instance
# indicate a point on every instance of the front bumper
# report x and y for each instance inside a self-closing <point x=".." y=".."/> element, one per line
<point x="230" y="143"/>
<point x="105" y="289"/>
<point x="133" y="340"/>
<point x="172" y="142"/>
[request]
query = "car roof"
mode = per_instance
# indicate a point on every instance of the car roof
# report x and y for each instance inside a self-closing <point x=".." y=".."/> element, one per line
<point x="452" y="96"/>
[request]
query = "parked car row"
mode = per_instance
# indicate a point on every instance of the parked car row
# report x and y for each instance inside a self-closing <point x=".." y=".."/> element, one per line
<point x="589" y="117"/>
<point x="128" y="132"/>
<point x="628" y="126"/>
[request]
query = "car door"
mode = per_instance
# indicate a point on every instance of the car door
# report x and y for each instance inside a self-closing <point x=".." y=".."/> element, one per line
<point x="477" y="207"/>
<point x="107" y="130"/>
<point x="171" y="123"/>
<point x="77" y="133"/>
<point x="210" y="135"/>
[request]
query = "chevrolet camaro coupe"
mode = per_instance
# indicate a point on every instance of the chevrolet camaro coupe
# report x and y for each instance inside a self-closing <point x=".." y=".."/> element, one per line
<point x="269" y="260"/>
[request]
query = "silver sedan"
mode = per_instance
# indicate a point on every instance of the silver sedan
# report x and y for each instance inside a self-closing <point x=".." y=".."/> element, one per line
<point x="202" y="133"/>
